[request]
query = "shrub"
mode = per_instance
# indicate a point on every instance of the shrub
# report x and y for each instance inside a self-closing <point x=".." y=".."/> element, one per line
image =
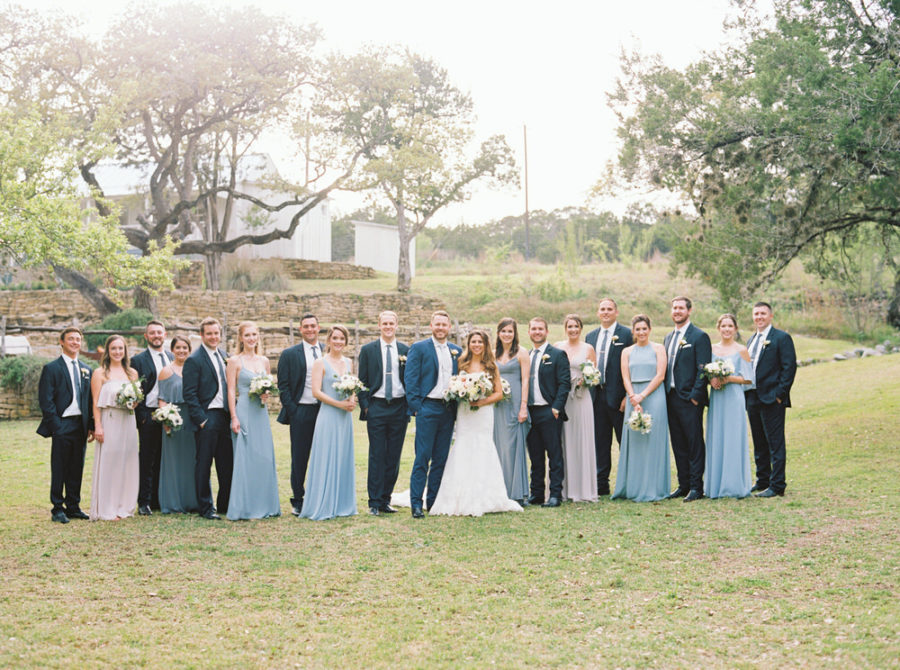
<point x="124" y="321"/>
<point x="240" y="274"/>
<point x="22" y="374"/>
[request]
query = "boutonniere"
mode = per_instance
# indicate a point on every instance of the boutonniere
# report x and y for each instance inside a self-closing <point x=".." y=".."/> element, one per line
<point x="454" y="353"/>
<point x="545" y="358"/>
<point x="766" y="343"/>
<point x="615" y="338"/>
<point x="401" y="358"/>
<point x="84" y="372"/>
<point x="683" y="344"/>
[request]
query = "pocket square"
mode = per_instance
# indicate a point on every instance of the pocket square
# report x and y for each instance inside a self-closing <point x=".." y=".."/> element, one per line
<point x="618" y="344"/>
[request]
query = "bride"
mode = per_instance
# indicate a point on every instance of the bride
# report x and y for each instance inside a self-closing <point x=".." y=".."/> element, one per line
<point x="473" y="482"/>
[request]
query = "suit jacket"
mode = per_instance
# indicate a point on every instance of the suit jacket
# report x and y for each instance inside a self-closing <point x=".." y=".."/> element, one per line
<point x="775" y="368"/>
<point x="555" y="379"/>
<point x="693" y="354"/>
<point x="291" y="380"/>
<point x="200" y="383"/>
<point x="613" y="390"/>
<point x="421" y="372"/>
<point x="55" y="395"/>
<point x="146" y="369"/>
<point x="371" y="371"/>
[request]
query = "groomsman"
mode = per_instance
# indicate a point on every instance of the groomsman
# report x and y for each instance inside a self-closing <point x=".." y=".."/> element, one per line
<point x="689" y="350"/>
<point x="149" y="363"/>
<point x="429" y="366"/>
<point x="205" y="390"/>
<point x="64" y="394"/>
<point x="383" y="407"/>
<point x="548" y="390"/>
<point x="774" y="364"/>
<point x="299" y="408"/>
<point x="609" y="340"/>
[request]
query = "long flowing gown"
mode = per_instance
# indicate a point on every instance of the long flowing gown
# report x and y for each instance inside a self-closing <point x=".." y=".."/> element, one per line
<point x="116" y="477"/>
<point x="643" y="474"/>
<point x="331" y="483"/>
<point x="579" y="455"/>
<point x="510" y="435"/>
<point x="473" y="483"/>
<point x="177" y="491"/>
<point x="727" y="444"/>
<point x="254" y="484"/>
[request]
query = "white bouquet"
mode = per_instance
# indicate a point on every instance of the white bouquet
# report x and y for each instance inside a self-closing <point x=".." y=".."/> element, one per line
<point x="129" y="395"/>
<point x="469" y="388"/>
<point x="640" y="422"/>
<point x="719" y="368"/>
<point x="261" y="384"/>
<point x="170" y="417"/>
<point x="590" y="376"/>
<point x="348" y="385"/>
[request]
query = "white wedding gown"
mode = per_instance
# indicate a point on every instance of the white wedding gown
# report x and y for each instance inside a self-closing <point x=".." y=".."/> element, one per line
<point x="473" y="483"/>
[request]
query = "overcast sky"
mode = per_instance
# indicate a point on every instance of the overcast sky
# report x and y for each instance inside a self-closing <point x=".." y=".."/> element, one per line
<point x="547" y="66"/>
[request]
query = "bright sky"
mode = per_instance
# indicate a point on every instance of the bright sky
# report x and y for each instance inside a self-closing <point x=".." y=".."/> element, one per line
<point x="546" y="66"/>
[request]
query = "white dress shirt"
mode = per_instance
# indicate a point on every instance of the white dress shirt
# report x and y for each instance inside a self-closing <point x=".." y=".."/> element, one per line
<point x="758" y="338"/>
<point x="218" y="401"/>
<point x="678" y="336"/>
<point x="397" y="390"/>
<point x="307" y="397"/>
<point x="157" y="356"/>
<point x="445" y="370"/>
<point x="604" y="355"/>
<point x="74" y="409"/>
<point x="535" y="383"/>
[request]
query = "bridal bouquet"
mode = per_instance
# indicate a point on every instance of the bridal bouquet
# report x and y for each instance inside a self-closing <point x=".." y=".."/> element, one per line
<point x="262" y="384"/>
<point x="718" y="368"/>
<point x="469" y="388"/>
<point x="640" y="422"/>
<point x="348" y="385"/>
<point x="590" y="376"/>
<point x="170" y="417"/>
<point x="129" y="395"/>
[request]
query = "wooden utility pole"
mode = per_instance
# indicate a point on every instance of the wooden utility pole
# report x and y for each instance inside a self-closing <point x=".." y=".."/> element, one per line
<point x="527" y="242"/>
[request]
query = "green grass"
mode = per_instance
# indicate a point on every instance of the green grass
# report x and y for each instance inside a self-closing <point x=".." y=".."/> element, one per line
<point x="807" y="580"/>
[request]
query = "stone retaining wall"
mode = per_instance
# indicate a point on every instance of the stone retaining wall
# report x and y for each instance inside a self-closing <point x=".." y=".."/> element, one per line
<point x="15" y="405"/>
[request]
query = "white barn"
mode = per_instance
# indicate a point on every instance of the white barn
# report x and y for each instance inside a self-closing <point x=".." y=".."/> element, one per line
<point x="377" y="245"/>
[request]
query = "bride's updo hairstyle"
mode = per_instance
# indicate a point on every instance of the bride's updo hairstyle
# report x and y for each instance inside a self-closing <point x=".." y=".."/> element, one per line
<point x="487" y="357"/>
<point x="243" y="326"/>
<point x="336" y="327"/>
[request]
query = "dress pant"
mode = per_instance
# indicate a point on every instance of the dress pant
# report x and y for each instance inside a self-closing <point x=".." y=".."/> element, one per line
<point x="302" y="427"/>
<point x="214" y="443"/>
<point x="545" y="439"/>
<point x="386" y="424"/>
<point x="149" y="453"/>
<point x="688" y="446"/>
<point x="607" y="420"/>
<point x="769" y="449"/>
<point x="434" y="431"/>
<point x="67" y="449"/>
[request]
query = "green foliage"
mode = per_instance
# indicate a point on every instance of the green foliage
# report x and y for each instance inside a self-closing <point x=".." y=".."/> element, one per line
<point x="241" y="274"/>
<point x="557" y="288"/>
<point x="22" y="374"/>
<point x="125" y="320"/>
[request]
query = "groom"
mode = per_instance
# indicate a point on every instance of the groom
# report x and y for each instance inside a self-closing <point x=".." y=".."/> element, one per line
<point x="429" y="365"/>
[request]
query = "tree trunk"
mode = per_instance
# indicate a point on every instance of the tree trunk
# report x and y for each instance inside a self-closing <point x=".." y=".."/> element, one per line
<point x="404" y="274"/>
<point x="143" y="300"/>
<point x="893" y="314"/>
<point x="211" y="263"/>
<point x="91" y="293"/>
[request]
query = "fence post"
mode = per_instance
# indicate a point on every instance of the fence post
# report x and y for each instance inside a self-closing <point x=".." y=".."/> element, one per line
<point x="291" y="332"/>
<point x="3" y="336"/>
<point x="356" y="341"/>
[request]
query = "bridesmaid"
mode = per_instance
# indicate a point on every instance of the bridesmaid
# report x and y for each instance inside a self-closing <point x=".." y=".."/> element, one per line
<point x="579" y="455"/>
<point x="727" y="445"/>
<point x="177" y="491"/>
<point x="254" y="484"/>
<point x="643" y="473"/>
<point x="116" y="467"/>
<point x="331" y="484"/>
<point x="511" y="422"/>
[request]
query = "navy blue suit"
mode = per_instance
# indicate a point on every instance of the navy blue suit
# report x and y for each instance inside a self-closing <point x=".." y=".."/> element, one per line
<point x="213" y="439"/>
<point x="607" y="397"/>
<point x="686" y="418"/>
<point x="149" y="431"/>
<point x="292" y="373"/>
<point x="386" y="422"/>
<point x="68" y="435"/>
<point x="434" y="419"/>
<point x="545" y="437"/>
<point x="775" y="371"/>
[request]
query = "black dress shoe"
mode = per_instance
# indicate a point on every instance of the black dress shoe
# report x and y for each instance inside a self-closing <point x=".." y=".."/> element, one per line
<point x="551" y="502"/>
<point x="144" y="510"/>
<point x="769" y="493"/>
<point x="373" y="511"/>
<point x="295" y="509"/>
<point x="693" y="495"/>
<point x="59" y="516"/>
<point x="535" y="500"/>
<point x="212" y="516"/>
<point x="417" y="513"/>
<point x="677" y="493"/>
<point x="76" y="514"/>
<point x="387" y="509"/>
<point x="758" y="487"/>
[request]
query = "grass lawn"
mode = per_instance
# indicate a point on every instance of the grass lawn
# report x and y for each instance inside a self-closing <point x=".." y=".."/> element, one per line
<point x="809" y="580"/>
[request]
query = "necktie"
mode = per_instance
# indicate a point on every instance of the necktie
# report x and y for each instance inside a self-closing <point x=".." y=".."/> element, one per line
<point x="388" y="375"/>
<point x="754" y="350"/>
<point x="77" y="379"/>
<point x="601" y="358"/>
<point x="162" y="359"/>
<point x="673" y="349"/>
<point x="531" y="373"/>
<point x="222" y="383"/>
<point x="315" y="351"/>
